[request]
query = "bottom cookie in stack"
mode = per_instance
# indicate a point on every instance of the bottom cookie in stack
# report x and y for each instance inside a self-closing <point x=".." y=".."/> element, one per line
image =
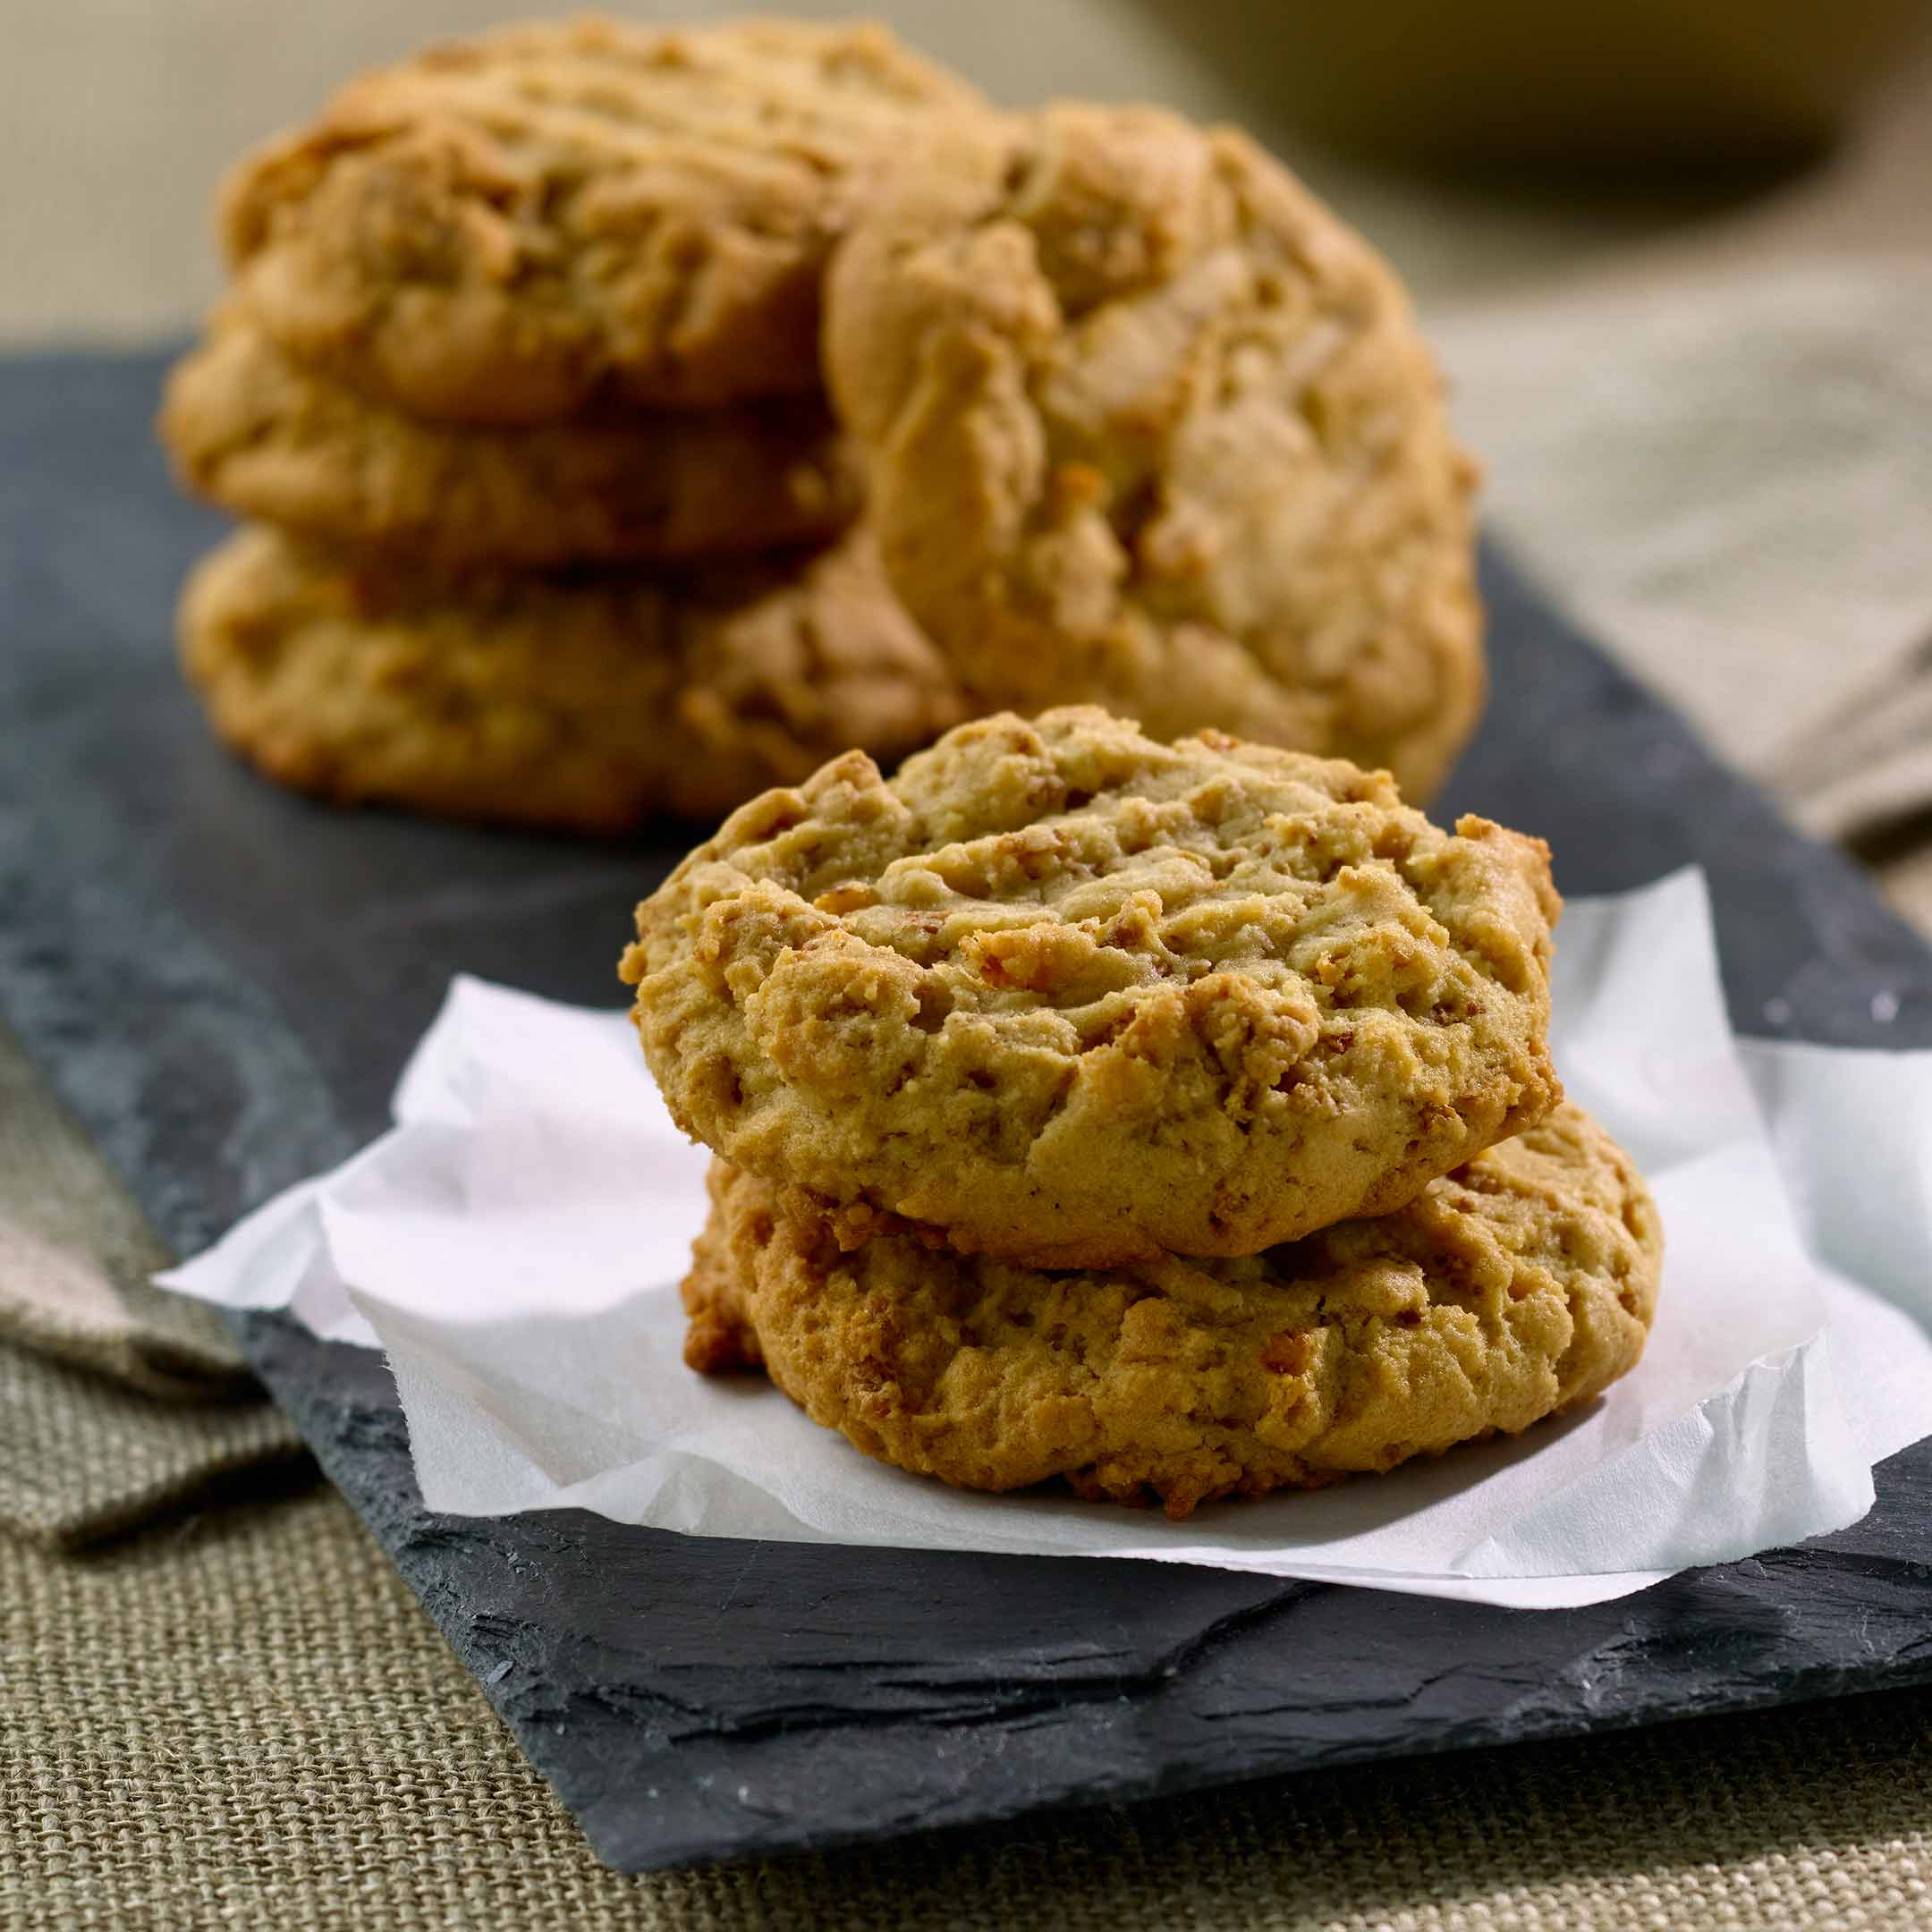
<point x="1516" y="1287"/>
<point x="587" y="701"/>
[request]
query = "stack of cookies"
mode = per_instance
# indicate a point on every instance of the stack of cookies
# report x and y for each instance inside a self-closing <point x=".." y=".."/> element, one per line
<point x="628" y="419"/>
<point x="517" y="387"/>
<point x="1176" y="1120"/>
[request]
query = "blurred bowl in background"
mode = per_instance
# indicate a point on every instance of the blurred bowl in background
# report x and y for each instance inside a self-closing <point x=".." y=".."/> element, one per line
<point x="1593" y="83"/>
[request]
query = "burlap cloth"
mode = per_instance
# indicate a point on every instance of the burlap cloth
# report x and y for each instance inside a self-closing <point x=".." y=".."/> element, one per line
<point x="117" y="1401"/>
<point x="246" y="1720"/>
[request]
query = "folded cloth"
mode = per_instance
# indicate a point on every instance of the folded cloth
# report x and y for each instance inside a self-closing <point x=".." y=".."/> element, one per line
<point x="116" y="1400"/>
<point x="1728" y="474"/>
<point x="82" y="1458"/>
<point x="1868" y="765"/>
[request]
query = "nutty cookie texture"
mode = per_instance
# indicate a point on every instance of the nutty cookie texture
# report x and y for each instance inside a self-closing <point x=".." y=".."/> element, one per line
<point x="586" y="703"/>
<point x="1060" y="993"/>
<point x="255" y="431"/>
<point x="1148" y="427"/>
<point x="507" y="228"/>
<point x="1519" y="1285"/>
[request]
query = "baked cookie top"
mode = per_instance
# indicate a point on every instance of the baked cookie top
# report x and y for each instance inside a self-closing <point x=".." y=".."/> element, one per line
<point x="1148" y="427"/>
<point x="505" y="228"/>
<point x="591" y="702"/>
<point x="1064" y="994"/>
<point x="263" y="435"/>
<point x="1521" y="1284"/>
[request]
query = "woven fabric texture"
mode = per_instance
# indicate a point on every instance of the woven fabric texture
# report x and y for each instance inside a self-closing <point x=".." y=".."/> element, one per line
<point x="116" y="1401"/>
<point x="246" y="1720"/>
<point x="75" y="1255"/>
<point x="82" y="1457"/>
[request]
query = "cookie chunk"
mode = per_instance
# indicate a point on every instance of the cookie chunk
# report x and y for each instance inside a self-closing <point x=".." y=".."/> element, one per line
<point x="588" y="703"/>
<point x="508" y="228"/>
<point x="1516" y="1287"/>
<point x="1062" y="994"/>
<point x="264" y="437"/>
<point x="1147" y="426"/>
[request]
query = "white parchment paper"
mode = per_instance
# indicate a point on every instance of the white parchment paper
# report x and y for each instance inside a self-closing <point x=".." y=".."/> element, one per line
<point x="516" y="1240"/>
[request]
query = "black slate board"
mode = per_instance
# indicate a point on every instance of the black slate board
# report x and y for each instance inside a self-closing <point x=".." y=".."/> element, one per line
<point x="222" y="981"/>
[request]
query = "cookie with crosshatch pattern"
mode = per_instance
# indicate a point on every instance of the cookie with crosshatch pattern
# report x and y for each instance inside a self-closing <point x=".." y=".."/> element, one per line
<point x="1062" y="993"/>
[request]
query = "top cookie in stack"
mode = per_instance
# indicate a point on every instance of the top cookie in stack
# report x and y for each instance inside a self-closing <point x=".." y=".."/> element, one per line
<point x="1168" y="1117"/>
<point x="1062" y="994"/>
<point x="554" y="217"/>
<point x="548" y="301"/>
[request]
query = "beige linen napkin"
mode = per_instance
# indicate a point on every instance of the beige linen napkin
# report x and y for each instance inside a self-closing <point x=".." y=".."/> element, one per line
<point x="116" y="1401"/>
<point x="1728" y="475"/>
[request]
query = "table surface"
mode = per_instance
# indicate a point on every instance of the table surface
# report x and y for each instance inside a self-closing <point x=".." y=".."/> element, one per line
<point x="146" y="106"/>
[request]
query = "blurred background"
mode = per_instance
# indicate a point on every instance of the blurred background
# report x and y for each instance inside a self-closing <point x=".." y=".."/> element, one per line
<point x="1485" y="146"/>
<point x="1677" y="258"/>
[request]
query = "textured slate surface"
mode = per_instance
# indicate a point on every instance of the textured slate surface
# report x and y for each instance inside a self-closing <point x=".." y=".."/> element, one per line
<point x="223" y="982"/>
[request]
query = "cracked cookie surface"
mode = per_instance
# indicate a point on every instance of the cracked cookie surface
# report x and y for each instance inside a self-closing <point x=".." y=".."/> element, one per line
<point x="509" y="228"/>
<point x="1147" y="426"/>
<point x="1519" y="1285"/>
<point x="256" y="432"/>
<point x="1062" y="993"/>
<point x="587" y="702"/>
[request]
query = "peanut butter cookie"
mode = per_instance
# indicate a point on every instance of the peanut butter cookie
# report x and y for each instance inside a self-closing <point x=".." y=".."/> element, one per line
<point x="1148" y="427"/>
<point x="1519" y="1285"/>
<point x="263" y="437"/>
<point x="508" y="228"/>
<point x="588" y="703"/>
<point x="1062" y="994"/>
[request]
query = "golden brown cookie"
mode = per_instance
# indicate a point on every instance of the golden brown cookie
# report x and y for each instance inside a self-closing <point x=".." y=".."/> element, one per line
<point x="588" y="703"/>
<point x="263" y="437"/>
<point x="1060" y="993"/>
<point x="1148" y="427"/>
<point x="508" y="228"/>
<point x="1517" y="1287"/>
